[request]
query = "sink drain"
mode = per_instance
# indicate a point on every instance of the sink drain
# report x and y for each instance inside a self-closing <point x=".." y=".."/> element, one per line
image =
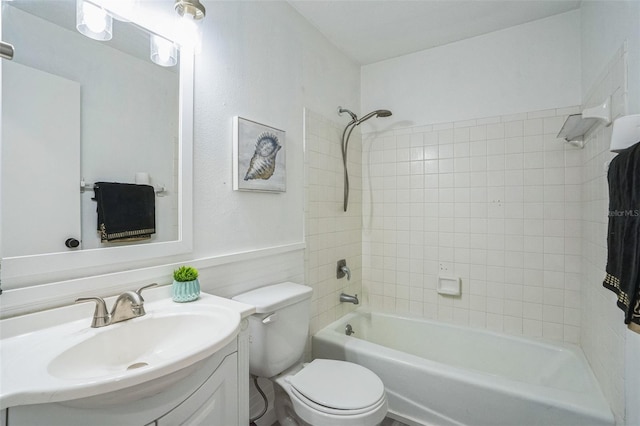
<point x="137" y="365"/>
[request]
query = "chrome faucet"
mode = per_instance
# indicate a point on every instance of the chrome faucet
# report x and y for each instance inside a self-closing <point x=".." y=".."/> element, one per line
<point x="347" y="298"/>
<point x="129" y="304"/>
<point x="343" y="270"/>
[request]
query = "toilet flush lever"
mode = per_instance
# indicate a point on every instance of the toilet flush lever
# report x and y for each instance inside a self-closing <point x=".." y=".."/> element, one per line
<point x="270" y="318"/>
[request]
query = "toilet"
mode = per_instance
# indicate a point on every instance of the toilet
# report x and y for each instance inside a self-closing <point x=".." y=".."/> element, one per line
<point x="323" y="392"/>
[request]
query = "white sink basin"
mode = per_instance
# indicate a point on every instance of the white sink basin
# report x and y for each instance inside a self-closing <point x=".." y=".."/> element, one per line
<point x="71" y="361"/>
<point x="144" y="343"/>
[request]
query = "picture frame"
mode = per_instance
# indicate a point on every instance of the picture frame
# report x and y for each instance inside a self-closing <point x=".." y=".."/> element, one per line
<point x="259" y="161"/>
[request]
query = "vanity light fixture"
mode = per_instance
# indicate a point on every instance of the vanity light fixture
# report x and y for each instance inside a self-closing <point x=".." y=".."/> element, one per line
<point x="190" y="7"/>
<point x="189" y="28"/>
<point x="163" y="51"/>
<point x="93" y="21"/>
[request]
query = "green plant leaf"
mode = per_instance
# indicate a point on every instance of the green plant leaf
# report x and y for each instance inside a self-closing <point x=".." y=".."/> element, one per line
<point x="185" y="273"/>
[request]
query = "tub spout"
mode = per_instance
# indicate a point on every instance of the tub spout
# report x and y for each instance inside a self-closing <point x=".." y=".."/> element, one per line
<point x="347" y="298"/>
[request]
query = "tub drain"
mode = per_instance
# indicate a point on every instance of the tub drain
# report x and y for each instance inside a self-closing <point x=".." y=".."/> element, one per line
<point x="137" y="365"/>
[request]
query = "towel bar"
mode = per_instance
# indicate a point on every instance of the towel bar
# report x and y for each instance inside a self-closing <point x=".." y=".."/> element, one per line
<point x="159" y="190"/>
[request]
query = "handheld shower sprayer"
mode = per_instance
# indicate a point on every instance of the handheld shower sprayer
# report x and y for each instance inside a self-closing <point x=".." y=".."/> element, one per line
<point x="345" y="141"/>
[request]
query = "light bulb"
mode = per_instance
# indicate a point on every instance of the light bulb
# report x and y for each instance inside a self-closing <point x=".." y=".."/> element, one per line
<point x="95" y="18"/>
<point x="189" y="33"/>
<point x="93" y="21"/>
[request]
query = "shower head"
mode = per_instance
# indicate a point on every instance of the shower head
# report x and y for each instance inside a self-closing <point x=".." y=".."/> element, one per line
<point x="377" y="113"/>
<point x="356" y="121"/>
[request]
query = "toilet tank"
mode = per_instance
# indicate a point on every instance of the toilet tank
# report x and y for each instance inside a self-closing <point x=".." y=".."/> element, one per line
<point x="279" y="328"/>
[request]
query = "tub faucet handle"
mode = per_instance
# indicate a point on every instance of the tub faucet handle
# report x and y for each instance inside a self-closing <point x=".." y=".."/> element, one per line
<point x="343" y="270"/>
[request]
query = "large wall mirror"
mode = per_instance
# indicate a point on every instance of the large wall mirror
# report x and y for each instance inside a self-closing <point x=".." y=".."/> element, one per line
<point x="76" y="111"/>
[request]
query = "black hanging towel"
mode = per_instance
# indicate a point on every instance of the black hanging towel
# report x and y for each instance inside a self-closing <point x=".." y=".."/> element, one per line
<point x="623" y="238"/>
<point x="126" y="212"/>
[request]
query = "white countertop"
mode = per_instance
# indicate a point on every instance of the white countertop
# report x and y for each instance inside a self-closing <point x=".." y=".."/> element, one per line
<point x="29" y="343"/>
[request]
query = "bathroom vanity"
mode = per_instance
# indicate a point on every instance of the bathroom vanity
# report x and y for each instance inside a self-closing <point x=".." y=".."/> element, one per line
<point x="179" y="363"/>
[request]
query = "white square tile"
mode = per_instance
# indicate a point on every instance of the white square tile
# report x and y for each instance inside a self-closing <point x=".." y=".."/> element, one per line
<point x="532" y="327"/>
<point x="445" y="136"/>
<point x="533" y="143"/>
<point x="478" y="164"/>
<point x="514" y="128"/>
<point x="533" y="127"/>
<point x="416" y="152"/>
<point x="495" y="162"/>
<point x="461" y="135"/>
<point x="430" y="166"/>
<point x="514" y="178"/>
<point x="534" y="177"/>
<point x="495" y="131"/>
<point x="533" y="160"/>
<point x="495" y="147"/>
<point x="445" y="150"/>
<point x="431" y="152"/>
<point x="552" y="331"/>
<point x="462" y="165"/>
<point x="477" y="133"/>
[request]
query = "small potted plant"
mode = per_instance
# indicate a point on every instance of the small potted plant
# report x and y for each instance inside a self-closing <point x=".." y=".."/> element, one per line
<point x="186" y="286"/>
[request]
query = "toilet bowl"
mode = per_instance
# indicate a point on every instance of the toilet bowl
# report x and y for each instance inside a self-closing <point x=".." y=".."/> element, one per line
<point x="321" y="393"/>
<point x="330" y="393"/>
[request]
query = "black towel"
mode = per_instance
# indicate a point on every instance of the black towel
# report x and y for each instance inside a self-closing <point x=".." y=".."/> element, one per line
<point x="623" y="239"/>
<point x="125" y="211"/>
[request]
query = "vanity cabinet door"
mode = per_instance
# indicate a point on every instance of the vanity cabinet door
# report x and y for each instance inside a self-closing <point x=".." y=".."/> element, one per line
<point x="214" y="403"/>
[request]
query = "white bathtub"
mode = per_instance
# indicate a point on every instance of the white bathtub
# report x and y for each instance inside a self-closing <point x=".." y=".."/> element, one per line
<point x="440" y="374"/>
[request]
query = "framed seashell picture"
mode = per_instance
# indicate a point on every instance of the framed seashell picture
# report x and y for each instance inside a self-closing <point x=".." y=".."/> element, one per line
<point x="258" y="157"/>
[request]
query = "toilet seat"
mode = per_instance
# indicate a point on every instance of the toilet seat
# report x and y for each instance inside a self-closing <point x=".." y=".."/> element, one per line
<point x="337" y="386"/>
<point x="335" y="411"/>
<point x="330" y="393"/>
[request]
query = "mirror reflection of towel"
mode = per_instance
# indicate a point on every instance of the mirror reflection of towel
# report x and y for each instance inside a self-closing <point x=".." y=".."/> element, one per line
<point x="623" y="239"/>
<point x="125" y="211"/>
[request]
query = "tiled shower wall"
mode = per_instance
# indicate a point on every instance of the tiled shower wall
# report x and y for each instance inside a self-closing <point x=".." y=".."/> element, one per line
<point x="603" y="333"/>
<point x="331" y="234"/>
<point x="493" y="201"/>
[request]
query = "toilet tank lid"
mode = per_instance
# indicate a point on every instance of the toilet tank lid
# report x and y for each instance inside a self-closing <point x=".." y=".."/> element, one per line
<point x="274" y="297"/>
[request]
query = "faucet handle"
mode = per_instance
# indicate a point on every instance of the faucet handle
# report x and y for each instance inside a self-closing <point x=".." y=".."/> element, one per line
<point x="139" y="291"/>
<point x="100" y="315"/>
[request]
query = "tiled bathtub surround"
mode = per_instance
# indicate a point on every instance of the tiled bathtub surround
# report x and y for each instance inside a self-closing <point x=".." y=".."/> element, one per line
<point x="331" y="234"/>
<point x="494" y="201"/>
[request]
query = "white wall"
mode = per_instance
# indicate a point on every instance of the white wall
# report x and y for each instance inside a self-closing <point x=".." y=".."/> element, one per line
<point x="534" y="66"/>
<point x="262" y="61"/>
<point x="605" y="27"/>
<point x="612" y="350"/>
